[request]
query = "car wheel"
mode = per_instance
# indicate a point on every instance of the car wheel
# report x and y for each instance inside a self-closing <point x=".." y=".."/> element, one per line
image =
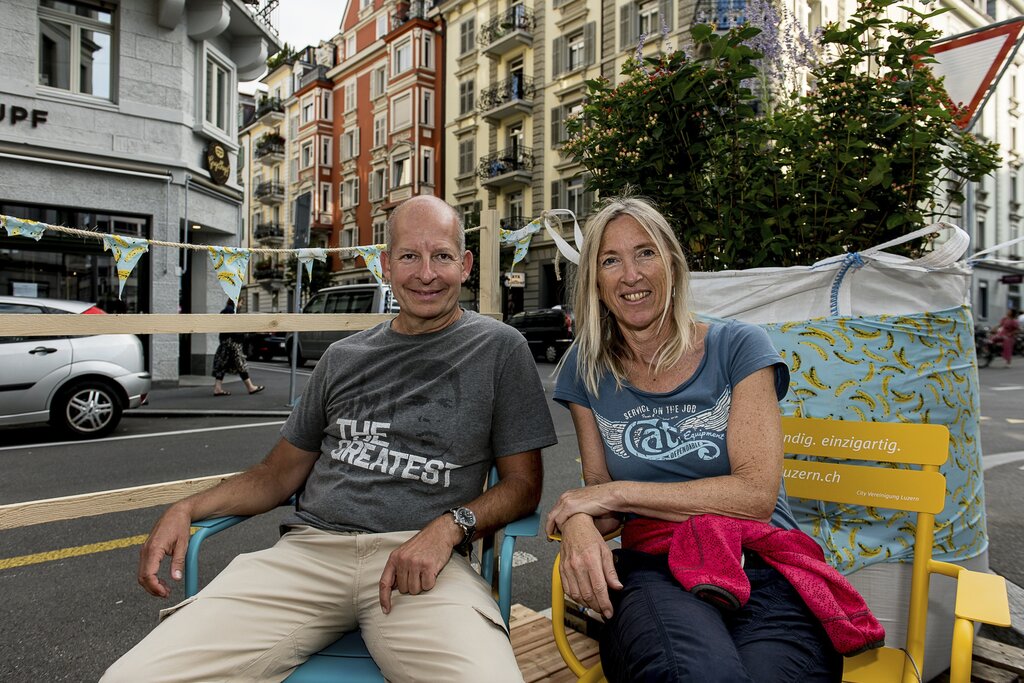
<point x="551" y="354"/>
<point x="88" y="409"/>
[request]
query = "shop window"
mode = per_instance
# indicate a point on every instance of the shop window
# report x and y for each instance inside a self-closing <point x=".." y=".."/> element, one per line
<point x="76" y="47"/>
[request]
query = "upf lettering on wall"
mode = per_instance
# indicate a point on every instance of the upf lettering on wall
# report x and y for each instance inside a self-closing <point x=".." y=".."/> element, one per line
<point x="16" y="115"/>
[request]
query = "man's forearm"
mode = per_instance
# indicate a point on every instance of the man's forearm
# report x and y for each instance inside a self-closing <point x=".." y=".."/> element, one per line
<point x="516" y="494"/>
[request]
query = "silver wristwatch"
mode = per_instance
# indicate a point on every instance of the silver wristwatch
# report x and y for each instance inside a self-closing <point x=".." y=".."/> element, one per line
<point x="466" y="520"/>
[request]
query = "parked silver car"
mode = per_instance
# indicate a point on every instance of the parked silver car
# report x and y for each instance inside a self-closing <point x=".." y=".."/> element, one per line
<point x="366" y="298"/>
<point x="78" y="384"/>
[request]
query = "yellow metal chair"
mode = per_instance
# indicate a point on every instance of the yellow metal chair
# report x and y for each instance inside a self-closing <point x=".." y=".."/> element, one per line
<point x="980" y="597"/>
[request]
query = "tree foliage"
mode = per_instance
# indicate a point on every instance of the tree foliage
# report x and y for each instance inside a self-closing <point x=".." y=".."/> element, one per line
<point x="869" y="153"/>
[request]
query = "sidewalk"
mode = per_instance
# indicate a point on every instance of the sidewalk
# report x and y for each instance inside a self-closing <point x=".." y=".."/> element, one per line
<point x="193" y="395"/>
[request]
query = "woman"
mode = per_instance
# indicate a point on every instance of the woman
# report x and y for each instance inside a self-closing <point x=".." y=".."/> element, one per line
<point x="230" y="359"/>
<point x="1007" y="333"/>
<point x="674" y="419"/>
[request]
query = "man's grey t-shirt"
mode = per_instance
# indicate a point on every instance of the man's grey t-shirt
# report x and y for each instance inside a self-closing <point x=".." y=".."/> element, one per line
<point x="679" y="435"/>
<point x="408" y="426"/>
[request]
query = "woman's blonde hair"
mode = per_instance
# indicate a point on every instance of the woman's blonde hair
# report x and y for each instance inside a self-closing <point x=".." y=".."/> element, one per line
<point x="600" y="345"/>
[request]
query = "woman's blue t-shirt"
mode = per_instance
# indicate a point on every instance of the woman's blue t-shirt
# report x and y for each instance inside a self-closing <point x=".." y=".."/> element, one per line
<point x="679" y="435"/>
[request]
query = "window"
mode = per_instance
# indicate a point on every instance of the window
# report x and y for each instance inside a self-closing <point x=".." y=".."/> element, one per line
<point x="295" y="169"/>
<point x="218" y="91"/>
<point x="293" y="127"/>
<point x="467" y="36"/>
<point x="401" y="172"/>
<point x="325" y="106"/>
<point x="379" y="81"/>
<point x="427" y="166"/>
<point x="325" y="198"/>
<point x="363" y="4"/>
<point x="470" y="214"/>
<point x="574" y="195"/>
<point x="648" y="16"/>
<point x="574" y="51"/>
<point x="467" y="154"/>
<point x="307" y="154"/>
<point x="350" y="144"/>
<point x="570" y="194"/>
<point x="350" y="195"/>
<point x="350" y="96"/>
<point x="467" y="96"/>
<point x="379" y="232"/>
<point x="76" y="51"/>
<point x="644" y="18"/>
<point x="380" y="129"/>
<point x="308" y="109"/>
<point x="401" y="112"/>
<point x="377" y="179"/>
<point x="558" y="118"/>
<point x="325" y="151"/>
<point x="350" y="47"/>
<point x="382" y="26"/>
<point x="349" y="236"/>
<point x="401" y="57"/>
<point x="427" y="108"/>
<point x="427" y="60"/>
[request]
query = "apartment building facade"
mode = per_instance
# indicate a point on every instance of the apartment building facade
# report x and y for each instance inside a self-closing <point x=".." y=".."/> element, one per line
<point x="124" y="105"/>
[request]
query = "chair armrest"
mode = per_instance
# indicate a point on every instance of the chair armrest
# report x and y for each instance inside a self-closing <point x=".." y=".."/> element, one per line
<point x="980" y="597"/>
<point x="204" y="528"/>
<point x="527" y="526"/>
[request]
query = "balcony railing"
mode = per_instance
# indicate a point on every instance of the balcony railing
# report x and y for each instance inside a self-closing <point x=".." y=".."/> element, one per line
<point x="268" y="231"/>
<point x="271" y="107"/>
<point x="513" y="222"/>
<point x="510" y="166"/>
<point x="269" y="192"/>
<point x="270" y="149"/>
<point x="317" y="73"/>
<point x="507" y="31"/>
<point x="268" y="272"/>
<point x="514" y="95"/>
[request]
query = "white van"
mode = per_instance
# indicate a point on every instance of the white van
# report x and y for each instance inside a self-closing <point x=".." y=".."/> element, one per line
<point x="366" y="298"/>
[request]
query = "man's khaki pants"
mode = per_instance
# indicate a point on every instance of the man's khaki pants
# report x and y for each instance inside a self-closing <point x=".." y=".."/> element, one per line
<point x="268" y="611"/>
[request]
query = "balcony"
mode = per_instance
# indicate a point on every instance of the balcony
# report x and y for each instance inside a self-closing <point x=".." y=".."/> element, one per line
<point x="506" y="32"/>
<point x="269" y="232"/>
<point x="506" y="168"/>
<point x="513" y="223"/>
<point x="268" y="272"/>
<point x="269" y="192"/>
<point x="317" y="73"/>
<point x="270" y="111"/>
<point x="269" y="150"/>
<point x="510" y="97"/>
<point x="406" y="11"/>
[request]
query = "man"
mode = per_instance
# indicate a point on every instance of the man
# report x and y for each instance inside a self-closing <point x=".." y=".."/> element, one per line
<point x="386" y="495"/>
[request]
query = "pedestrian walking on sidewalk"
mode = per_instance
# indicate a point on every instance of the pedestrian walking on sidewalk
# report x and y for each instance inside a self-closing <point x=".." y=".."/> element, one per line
<point x="229" y="360"/>
<point x="1007" y="332"/>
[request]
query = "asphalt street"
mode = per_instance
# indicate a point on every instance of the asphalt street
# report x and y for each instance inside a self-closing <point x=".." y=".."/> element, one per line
<point x="73" y="605"/>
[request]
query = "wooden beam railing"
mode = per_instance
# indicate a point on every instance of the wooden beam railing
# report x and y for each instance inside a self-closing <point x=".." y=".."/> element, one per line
<point x="28" y="513"/>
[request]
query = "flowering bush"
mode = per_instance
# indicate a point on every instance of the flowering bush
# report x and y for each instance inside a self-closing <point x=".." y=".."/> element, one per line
<point x="787" y="178"/>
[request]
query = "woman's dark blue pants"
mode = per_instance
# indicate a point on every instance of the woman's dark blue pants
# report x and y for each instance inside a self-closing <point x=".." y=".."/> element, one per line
<point x="660" y="632"/>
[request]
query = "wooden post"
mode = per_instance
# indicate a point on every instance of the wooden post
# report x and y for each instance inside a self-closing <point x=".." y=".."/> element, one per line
<point x="490" y="275"/>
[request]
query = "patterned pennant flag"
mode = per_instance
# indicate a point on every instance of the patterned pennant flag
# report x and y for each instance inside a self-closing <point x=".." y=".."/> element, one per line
<point x="520" y="238"/>
<point x="306" y="257"/>
<point x="230" y="263"/>
<point x="24" y="228"/>
<point x="371" y="256"/>
<point x="127" y="253"/>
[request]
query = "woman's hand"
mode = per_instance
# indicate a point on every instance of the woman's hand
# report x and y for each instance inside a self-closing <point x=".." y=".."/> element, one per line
<point x="595" y="501"/>
<point x="587" y="568"/>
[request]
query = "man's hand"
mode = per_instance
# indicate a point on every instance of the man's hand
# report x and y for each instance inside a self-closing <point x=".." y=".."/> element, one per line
<point x="595" y="501"/>
<point x="413" y="567"/>
<point x="587" y="568"/>
<point x="169" y="536"/>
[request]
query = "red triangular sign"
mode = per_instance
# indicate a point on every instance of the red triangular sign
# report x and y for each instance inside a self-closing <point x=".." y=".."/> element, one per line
<point x="972" y="63"/>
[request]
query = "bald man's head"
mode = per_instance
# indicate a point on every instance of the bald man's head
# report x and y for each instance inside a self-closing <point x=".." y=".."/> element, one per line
<point x="426" y="208"/>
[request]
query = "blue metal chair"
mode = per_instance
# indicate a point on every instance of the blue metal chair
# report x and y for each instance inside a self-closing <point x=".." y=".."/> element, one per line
<point x="347" y="660"/>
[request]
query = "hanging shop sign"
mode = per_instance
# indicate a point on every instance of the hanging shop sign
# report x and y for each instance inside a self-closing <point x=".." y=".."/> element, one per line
<point x="218" y="163"/>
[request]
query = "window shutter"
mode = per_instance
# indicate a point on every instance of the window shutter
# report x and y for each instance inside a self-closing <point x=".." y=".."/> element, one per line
<point x="626" y="23"/>
<point x="667" y="7"/>
<point x="355" y="191"/>
<point x="556" y="188"/>
<point x="557" y="48"/>
<point x="588" y="203"/>
<point x="355" y="143"/>
<point x="556" y="126"/>
<point x="590" y="43"/>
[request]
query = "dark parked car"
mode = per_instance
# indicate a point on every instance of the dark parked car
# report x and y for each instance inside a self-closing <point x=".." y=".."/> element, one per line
<point x="549" y="331"/>
<point x="265" y="345"/>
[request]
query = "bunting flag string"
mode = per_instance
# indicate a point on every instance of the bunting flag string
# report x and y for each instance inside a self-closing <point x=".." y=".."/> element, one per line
<point x="230" y="264"/>
<point x="520" y="238"/>
<point x="127" y="253"/>
<point x="17" y="227"/>
<point x="306" y="257"/>
<point x="371" y="257"/>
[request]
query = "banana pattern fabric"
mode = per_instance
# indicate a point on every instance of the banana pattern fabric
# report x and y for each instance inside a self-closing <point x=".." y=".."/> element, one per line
<point x="891" y="368"/>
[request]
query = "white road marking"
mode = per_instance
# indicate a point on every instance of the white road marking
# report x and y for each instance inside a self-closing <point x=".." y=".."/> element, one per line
<point x="80" y="442"/>
<point x="990" y="461"/>
<point x="1012" y="387"/>
<point x="519" y="558"/>
<point x="1014" y="421"/>
<point x="279" y="369"/>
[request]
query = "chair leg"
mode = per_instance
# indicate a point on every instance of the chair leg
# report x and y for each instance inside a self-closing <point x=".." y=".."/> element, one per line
<point x="963" y="650"/>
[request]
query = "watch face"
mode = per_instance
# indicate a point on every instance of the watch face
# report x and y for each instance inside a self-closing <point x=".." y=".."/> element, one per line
<point x="465" y="516"/>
